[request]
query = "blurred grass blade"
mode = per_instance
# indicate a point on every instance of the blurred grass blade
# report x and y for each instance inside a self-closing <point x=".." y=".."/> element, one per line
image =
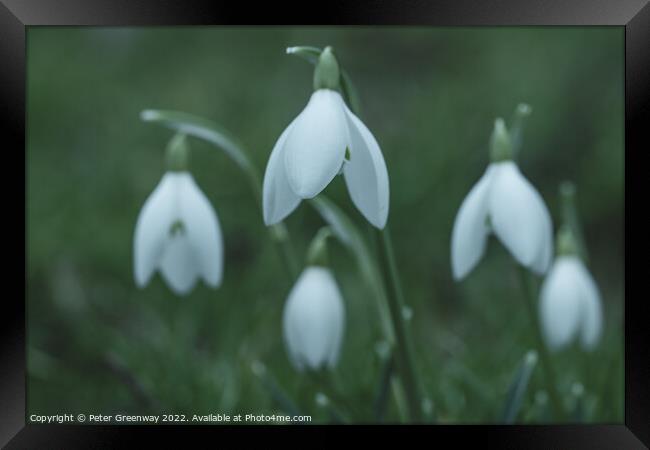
<point x="381" y="399"/>
<point x="578" y="394"/>
<point x="277" y="393"/>
<point x="336" y="416"/>
<point x="518" y="387"/>
<point x="209" y="131"/>
<point x="349" y="91"/>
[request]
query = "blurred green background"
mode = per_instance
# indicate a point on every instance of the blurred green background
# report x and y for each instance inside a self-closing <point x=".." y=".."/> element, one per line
<point x="97" y="344"/>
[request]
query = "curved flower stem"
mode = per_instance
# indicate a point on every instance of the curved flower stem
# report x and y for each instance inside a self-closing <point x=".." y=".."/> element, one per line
<point x="404" y="346"/>
<point x="544" y="356"/>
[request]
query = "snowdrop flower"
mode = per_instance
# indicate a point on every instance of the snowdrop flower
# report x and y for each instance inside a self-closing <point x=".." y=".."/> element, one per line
<point x="314" y="315"/>
<point x="503" y="202"/>
<point x="178" y="231"/>
<point x="570" y="304"/>
<point x="324" y="140"/>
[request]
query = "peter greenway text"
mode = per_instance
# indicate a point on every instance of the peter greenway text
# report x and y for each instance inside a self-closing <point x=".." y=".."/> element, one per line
<point x="167" y="418"/>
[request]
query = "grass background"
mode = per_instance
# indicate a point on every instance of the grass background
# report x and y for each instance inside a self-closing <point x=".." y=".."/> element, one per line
<point x="430" y="95"/>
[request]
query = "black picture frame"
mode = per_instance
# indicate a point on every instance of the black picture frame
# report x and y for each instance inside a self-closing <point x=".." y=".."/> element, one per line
<point x="633" y="15"/>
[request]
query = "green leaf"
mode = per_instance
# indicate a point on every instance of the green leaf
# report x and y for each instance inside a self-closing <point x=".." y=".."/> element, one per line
<point x="349" y="91"/>
<point x="309" y="54"/>
<point x="518" y="387"/>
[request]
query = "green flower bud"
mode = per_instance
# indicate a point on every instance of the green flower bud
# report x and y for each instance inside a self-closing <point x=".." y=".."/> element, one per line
<point x="177" y="154"/>
<point x="500" y="143"/>
<point x="327" y="74"/>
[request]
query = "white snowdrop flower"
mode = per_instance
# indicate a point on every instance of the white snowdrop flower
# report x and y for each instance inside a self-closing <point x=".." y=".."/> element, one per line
<point x="313" y="320"/>
<point x="570" y="304"/>
<point x="326" y="139"/>
<point x="178" y="231"/>
<point x="503" y="202"/>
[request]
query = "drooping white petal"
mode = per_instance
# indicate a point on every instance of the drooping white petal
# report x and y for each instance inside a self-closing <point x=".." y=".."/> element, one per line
<point x="279" y="198"/>
<point x="313" y="320"/>
<point x="179" y="265"/>
<point x="470" y="230"/>
<point x="592" y="316"/>
<point x="519" y="217"/>
<point x="202" y="229"/>
<point x="152" y="229"/>
<point x="365" y="173"/>
<point x="315" y="146"/>
<point x="561" y="303"/>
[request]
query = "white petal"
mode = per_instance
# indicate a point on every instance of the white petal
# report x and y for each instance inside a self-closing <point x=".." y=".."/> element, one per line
<point x="179" y="265"/>
<point x="365" y="173"/>
<point x="152" y="229"/>
<point x="315" y="147"/>
<point x="203" y="230"/>
<point x="560" y="303"/>
<point x="279" y="199"/>
<point x="470" y="228"/>
<point x="592" y="315"/>
<point x="313" y="319"/>
<point x="520" y="218"/>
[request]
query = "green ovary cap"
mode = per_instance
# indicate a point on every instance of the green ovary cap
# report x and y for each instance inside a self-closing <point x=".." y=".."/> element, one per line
<point x="177" y="154"/>
<point x="500" y="143"/>
<point x="327" y="73"/>
<point x="566" y="243"/>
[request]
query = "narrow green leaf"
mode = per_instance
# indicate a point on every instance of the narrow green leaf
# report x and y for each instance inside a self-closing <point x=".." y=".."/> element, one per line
<point x="309" y="54"/>
<point x="518" y="387"/>
<point x="336" y="416"/>
<point x="578" y="396"/>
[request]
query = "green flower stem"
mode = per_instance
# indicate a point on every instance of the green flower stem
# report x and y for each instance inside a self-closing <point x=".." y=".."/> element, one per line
<point x="517" y="126"/>
<point x="570" y="217"/>
<point x="542" y="351"/>
<point x="404" y="347"/>
<point x="199" y="127"/>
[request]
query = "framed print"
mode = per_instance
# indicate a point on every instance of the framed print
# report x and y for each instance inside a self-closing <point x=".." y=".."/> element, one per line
<point x="397" y="216"/>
